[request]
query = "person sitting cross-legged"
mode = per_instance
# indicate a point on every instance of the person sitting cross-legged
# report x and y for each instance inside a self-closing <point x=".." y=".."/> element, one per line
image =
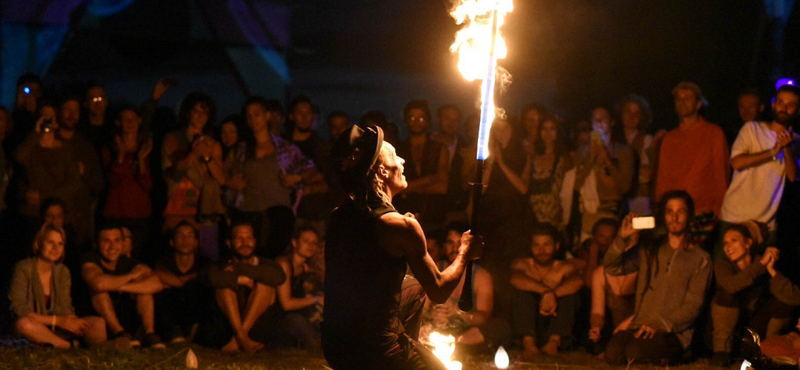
<point x="122" y="288"/>
<point x="545" y="295"/>
<point x="185" y="299"/>
<point x="245" y="290"/>
<point x="40" y="297"/>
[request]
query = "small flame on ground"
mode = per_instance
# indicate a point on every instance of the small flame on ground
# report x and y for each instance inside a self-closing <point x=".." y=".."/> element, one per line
<point x="443" y="348"/>
<point x="501" y="359"/>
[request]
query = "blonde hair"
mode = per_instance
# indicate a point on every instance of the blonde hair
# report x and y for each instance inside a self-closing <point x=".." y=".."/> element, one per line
<point x="42" y="235"/>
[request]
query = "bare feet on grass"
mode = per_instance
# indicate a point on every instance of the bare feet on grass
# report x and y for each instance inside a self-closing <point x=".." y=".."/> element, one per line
<point x="551" y="348"/>
<point x="231" y="347"/>
<point x="530" y="352"/>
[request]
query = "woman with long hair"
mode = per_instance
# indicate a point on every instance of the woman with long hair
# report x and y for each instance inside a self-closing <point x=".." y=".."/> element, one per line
<point x="40" y="297"/>
<point x="549" y="162"/>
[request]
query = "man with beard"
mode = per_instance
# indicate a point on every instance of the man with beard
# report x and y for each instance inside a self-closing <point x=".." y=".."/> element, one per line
<point x="763" y="156"/>
<point x="371" y="316"/>
<point x="300" y="132"/>
<point x="427" y="168"/>
<point x="545" y="295"/>
<point x="674" y="275"/>
<point x="475" y="330"/>
<point x="245" y="289"/>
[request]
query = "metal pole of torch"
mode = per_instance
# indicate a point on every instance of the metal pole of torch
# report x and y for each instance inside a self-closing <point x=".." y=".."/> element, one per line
<point x="487" y="92"/>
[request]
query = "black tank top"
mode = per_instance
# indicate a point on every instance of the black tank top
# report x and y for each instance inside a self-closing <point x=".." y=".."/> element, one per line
<point x="362" y="280"/>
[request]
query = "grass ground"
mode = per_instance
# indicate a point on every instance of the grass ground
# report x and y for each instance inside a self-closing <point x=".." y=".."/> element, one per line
<point x="174" y="358"/>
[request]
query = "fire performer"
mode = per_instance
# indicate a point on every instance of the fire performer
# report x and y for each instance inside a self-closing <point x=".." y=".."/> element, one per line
<point x="371" y="318"/>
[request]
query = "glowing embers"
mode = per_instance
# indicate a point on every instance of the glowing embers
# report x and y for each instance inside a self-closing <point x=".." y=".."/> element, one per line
<point x="443" y="347"/>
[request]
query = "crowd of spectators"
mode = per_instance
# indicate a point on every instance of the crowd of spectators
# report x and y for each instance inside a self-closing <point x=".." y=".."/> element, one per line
<point x="150" y="226"/>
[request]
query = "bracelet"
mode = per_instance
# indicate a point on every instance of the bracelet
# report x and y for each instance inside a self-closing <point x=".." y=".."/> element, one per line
<point x="53" y="323"/>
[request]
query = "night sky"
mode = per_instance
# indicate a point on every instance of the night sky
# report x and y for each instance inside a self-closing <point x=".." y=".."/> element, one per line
<point x="358" y="55"/>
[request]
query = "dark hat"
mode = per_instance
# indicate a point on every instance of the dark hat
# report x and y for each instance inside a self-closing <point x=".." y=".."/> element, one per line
<point x="356" y="152"/>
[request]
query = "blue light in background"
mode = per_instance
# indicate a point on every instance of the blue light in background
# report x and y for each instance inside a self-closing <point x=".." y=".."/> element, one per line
<point x="784" y="81"/>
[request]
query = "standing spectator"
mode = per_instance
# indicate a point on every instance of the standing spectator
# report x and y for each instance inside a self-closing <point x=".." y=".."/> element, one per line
<point x="603" y="173"/>
<point x="94" y="128"/>
<point x="26" y="108"/>
<point x="636" y="117"/>
<point x="191" y="161"/>
<point x="531" y="117"/>
<point x="694" y="156"/>
<point x="545" y="294"/>
<point x="454" y="143"/>
<point x="750" y="109"/>
<point x="311" y="202"/>
<point x="504" y="210"/>
<point x="127" y="163"/>
<point x="763" y="157"/>
<point x="245" y="289"/>
<point x="230" y="133"/>
<point x="122" y="288"/>
<point x="40" y="297"/>
<point x="300" y="296"/>
<point x="49" y="167"/>
<point x="264" y="170"/>
<point x="674" y="276"/>
<point x="749" y="284"/>
<point x="89" y="167"/>
<point x="549" y="162"/>
<point x="426" y="167"/>
<point x="376" y="118"/>
<point x="182" y="304"/>
<point x="275" y="109"/>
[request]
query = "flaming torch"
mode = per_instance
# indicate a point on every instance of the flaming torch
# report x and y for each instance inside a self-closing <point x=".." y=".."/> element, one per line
<point x="479" y="46"/>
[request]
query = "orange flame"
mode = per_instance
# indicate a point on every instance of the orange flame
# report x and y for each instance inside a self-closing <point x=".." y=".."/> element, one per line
<point x="443" y="347"/>
<point x="473" y="42"/>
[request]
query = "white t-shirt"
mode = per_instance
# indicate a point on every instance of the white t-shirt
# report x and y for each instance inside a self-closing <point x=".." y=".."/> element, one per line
<point x="755" y="192"/>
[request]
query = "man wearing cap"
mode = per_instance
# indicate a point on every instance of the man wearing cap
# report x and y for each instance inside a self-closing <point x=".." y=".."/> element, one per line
<point x="371" y="317"/>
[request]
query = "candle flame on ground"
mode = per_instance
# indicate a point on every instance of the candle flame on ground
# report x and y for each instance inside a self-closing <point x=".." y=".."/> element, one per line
<point x="479" y="45"/>
<point x="443" y="348"/>
<point x="501" y="360"/>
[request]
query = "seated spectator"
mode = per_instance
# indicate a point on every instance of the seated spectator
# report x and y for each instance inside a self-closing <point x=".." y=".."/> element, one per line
<point x="612" y="288"/>
<point x="40" y="297"/>
<point x="183" y="301"/>
<point x="300" y="296"/>
<point x="545" y="299"/>
<point x="674" y="275"/>
<point x="475" y="330"/>
<point x="749" y="290"/>
<point x="434" y="242"/>
<point x="245" y="289"/>
<point x="229" y="133"/>
<point x="122" y="288"/>
<point x="590" y="253"/>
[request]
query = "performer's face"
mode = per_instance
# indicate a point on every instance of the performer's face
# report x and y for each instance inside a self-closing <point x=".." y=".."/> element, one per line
<point x="393" y="168"/>
<point x="243" y="242"/>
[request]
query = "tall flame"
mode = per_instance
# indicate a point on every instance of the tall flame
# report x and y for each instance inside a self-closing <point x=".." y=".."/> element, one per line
<point x="479" y="45"/>
<point x="473" y="42"/>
